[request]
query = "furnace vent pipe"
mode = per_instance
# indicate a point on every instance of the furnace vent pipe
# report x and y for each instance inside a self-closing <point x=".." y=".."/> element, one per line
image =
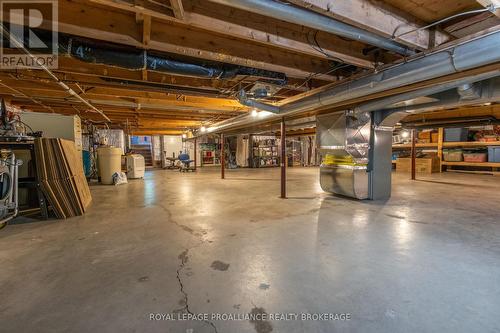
<point x="470" y="54"/>
<point x="296" y="15"/>
<point x="382" y="103"/>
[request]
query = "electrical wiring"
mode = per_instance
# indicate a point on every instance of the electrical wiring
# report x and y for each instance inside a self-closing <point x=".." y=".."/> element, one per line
<point x="317" y="47"/>
<point x="490" y="8"/>
<point x="312" y="76"/>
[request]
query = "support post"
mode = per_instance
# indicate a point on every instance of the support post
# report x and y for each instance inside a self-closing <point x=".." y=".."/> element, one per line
<point x="413" y="153"/>
<point x="283" y="159"/>
<point x="222" y="156"/>
<point x="195" y="155"/>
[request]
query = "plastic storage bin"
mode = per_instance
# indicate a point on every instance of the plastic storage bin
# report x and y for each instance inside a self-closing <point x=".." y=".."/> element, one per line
<point x="453" y="155"/>
<point x="494" y="154"/>
<point x="455" y="134"/>
<point x="475" y="157"/>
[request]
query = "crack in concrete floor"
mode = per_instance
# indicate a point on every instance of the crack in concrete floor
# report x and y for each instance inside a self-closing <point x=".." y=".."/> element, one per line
<point x="184" y="258"/>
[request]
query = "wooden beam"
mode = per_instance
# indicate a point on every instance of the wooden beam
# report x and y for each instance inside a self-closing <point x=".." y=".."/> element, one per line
<point x="178" y="9"/>
<point x="146" y="31"/>
<point x="144" y="103"/>
<point x="375" y="16"/>
<point x="50" y="89"/>
<point x="72" y="70"/>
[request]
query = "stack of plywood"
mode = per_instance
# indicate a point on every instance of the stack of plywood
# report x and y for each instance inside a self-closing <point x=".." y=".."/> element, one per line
<point x="60" y="173"/>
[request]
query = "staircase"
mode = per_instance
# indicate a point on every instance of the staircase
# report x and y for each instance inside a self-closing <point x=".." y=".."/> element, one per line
<point x="145" y="151"/>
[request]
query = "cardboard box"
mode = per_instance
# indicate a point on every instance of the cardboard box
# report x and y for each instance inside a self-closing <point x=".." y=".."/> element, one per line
<point x="424" y="135"/>
<point x="422" y="165"/>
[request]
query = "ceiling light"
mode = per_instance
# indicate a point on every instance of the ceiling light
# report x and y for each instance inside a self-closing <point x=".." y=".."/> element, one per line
<point x="254" y="113"/>
<point x="203" y="129"/>
<point x="184" y="135"/>
<point x="405" y="134"/>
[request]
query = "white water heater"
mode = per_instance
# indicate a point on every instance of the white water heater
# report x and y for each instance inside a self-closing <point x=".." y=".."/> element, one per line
<point x="135" y="166"/>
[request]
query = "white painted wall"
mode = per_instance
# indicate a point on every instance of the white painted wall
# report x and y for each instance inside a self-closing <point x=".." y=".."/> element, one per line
<point x="172" y="144"/>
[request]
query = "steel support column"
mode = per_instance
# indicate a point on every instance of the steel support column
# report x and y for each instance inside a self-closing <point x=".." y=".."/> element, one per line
<point x="222" y="157"/>
<point x="195" y="155"/>
<point x="413" y="153"/>
<point x="283" y="159"/>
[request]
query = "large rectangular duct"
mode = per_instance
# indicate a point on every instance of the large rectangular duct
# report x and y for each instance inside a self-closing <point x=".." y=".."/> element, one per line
<point x="343" y="140"/>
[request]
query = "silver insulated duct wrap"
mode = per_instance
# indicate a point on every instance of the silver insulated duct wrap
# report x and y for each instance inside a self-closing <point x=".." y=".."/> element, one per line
<point x="343" y="140"/>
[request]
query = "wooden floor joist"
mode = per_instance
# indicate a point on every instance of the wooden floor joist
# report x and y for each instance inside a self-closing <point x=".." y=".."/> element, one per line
<point x="211" y="34"/>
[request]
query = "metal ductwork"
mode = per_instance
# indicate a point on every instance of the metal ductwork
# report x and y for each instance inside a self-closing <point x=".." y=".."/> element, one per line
<point x="490" y="93"/>
<point x="343" y="140"/>
<point x="98" y="52"/>
<point x="470" y="54"/>
<point x="297" y="15"/>
<point x="252" y="103"/>
<point x="472" y="81"/>
<point x="469" y="91"/>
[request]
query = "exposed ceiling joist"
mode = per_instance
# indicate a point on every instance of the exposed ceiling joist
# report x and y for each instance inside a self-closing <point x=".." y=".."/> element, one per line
<point x="172" y="38"/>
<point x="178" y="9"/>
<point x="349" y="52"/>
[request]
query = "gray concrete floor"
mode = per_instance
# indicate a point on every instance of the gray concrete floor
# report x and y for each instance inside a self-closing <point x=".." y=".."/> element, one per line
<point x="427" y="260"/>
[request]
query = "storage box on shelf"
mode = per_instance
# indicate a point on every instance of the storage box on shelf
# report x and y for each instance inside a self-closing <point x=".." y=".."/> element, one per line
<point x="453" y="155"/>
<point x="422" y="165"/>
<point x="455" y="134"/>
<point x="494" y="154"/>
<point x="475" y="156"/>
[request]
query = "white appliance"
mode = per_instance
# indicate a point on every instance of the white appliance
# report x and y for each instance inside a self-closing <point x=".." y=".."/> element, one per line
<point x="135" y="166"/>
<point x="56" y="126"/>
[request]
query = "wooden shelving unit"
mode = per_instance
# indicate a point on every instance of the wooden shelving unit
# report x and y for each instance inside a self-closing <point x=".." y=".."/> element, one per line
<point x="441" y="144"/>
<point x="418" y="145"/>
<point x="474" y="164"/>
<point x="470" y="144"/>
